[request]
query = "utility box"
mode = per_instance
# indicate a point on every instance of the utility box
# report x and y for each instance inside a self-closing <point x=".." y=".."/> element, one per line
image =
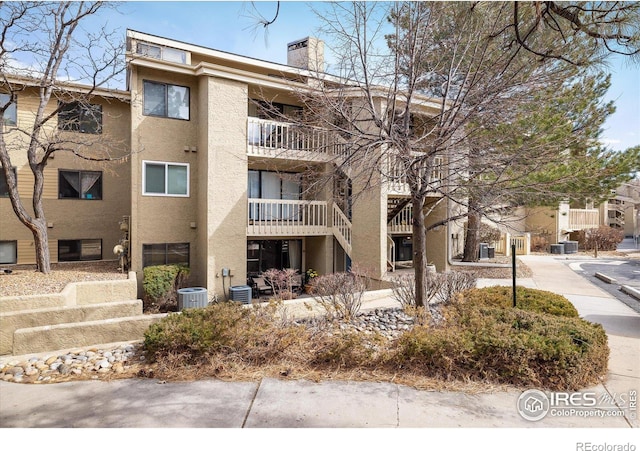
<point x="240" y="293"/>
<point x="570" y="247"/>
<point x="557" y="248"/>
<point x="491" y="252"/>
<point x="195" y="297"/>
<point x="484" y="251"/>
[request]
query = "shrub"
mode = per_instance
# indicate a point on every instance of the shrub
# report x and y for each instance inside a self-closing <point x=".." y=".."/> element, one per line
<point x="340" y="294"/>
<point x="441" y="287"/>
<point x="537" y="301"/>
<point x="160" y="284"/>
<point x="281" y="280"/>
<point x="604" y="237"/>
<point x="225" y="329"/>
<point x="509" y="346"/>
<point x="488" y="234"/>
<point x="539" y="243"/>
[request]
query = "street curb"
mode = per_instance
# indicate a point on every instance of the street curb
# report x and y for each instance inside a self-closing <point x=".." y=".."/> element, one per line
<point x="605" y="278"/>
<point x="631" y="291"/>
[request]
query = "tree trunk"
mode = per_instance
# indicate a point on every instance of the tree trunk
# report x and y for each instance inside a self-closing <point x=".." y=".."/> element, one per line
<point x="419" y="252"/>
<point x="40" y="238"/>
<point x="37" y="224"/>
<point x="472" y="237"/>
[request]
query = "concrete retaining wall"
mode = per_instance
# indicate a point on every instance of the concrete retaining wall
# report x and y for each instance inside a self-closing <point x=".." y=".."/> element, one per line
<point x="12" y="321"/>
<point x="77" y="293"/>
<point x="83" y="314"/>
<point x="64" y="336"/>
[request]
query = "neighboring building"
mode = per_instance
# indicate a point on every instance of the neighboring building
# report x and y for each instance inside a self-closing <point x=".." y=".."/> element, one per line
<point x="83" y="200"/>
<point x="214" y="181"/>
<point x="622" y="209"/>
<point x="555" y="225"/>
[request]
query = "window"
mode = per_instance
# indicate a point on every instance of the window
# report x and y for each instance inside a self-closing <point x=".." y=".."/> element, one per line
<point x="80" y="185"/>
<point x="152" y="51"/>
<point x="8" y="252"/>
<point x="165" y="100"/>
<point x="165" y="179"/>
<point x="161" y="52"/>
<point x="4" y="186"/>
<point x="77" y="250"/>
<point x="279" y="254"/>
<point x="165" y="254"/>
<point x="273" y="185"/>
<point x="10" y="116"/>
<point x="80" y="117"/>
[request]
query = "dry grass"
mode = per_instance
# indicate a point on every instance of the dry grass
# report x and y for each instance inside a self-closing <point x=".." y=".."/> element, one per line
<point x="487" y="272"/>
<point x="25" y="280"/>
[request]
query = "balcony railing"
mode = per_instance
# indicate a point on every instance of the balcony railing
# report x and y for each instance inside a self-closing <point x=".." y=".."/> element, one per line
<point x="397" y="178"/>
<point x="581" y="219"/>
<point x="281" y="139"/>
<point x="275" y="217"/>
<point x="402" y="222"/>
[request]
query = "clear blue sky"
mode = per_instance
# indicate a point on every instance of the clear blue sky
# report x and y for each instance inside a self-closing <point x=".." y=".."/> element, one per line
<point x="231" y="26"/>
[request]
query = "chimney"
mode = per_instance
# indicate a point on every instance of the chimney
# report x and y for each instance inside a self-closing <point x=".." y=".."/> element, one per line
<point x="307" y="53"/>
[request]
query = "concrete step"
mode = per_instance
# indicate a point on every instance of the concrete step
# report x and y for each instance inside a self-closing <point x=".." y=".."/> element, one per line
<point x="13" y="321"/>
<point x="79" y="334"/>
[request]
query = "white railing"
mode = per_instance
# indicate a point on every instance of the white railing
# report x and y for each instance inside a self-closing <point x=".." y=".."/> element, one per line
<point x="273" y="138"/>
<point x="397" y="178"/>
<point x="402" y="222"/>
<point x="342" y="229"/>
<point x="391" y="253"/>
<point x="273" y="217"/>
<point x="580" y="219"/>
<point x="522" y="243"/>
<point x="503" y="245"/>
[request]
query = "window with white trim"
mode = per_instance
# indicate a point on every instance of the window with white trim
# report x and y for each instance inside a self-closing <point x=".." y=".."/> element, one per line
<point x="165" y="179"/>
<point x="10" y="115"/>
<point x="8" y="252"/>
<point x="165" y="100"/>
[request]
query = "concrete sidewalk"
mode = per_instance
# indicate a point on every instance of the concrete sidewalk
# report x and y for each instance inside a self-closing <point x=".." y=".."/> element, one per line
<point x="273" y="403"/>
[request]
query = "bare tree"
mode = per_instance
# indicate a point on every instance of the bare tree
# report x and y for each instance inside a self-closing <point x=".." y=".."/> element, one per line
<point x="415" y="105"/>
<point x="44" y="47"/>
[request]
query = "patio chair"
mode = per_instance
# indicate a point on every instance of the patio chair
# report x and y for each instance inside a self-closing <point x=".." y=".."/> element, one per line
<point x="296" y="282"/>
<point x="261" y="285"/>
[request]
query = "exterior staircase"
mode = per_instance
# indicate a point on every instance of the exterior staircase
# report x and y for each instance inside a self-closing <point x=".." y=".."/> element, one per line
<point x="341" y="227"/>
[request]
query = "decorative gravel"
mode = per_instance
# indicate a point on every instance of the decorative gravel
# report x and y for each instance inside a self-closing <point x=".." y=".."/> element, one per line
<point x="89" y="363"/>
<point x="25" y="280"/>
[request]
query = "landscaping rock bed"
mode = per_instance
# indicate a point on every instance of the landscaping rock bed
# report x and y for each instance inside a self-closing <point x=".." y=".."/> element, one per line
<point x="91" y="363"/>
<point x="389" y="322"/>
<point x="97" y="363"/>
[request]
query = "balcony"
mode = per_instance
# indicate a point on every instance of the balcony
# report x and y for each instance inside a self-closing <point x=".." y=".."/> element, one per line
<point x="582" y="219"/>
<point x="402" y="222"/>
<point x="397" y="179"/>
<point x="273" y="139"/>
<point x="275" y="217"/>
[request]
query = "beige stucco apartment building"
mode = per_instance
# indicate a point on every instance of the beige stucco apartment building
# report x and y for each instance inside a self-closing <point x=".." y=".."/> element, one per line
<point x="214" y="182"/>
